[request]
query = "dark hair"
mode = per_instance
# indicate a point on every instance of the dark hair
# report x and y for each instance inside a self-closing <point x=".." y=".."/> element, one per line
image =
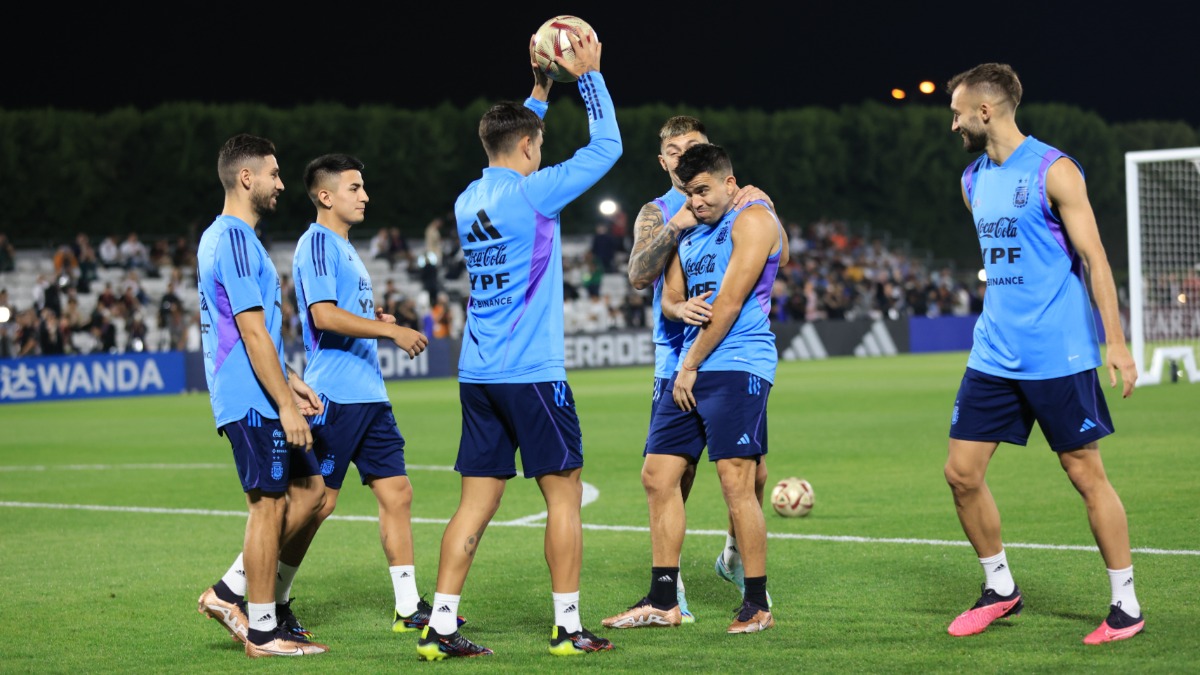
<point x="326" y="167"/>
<point x="506" y="123"/>
<point x="237" y="152"/>
<point x="703" y="158"/>
<point x="680" y="125"/>
<point x="995" y="78"/>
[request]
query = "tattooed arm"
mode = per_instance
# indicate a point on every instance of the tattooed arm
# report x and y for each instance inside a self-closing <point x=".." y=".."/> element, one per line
<point x="654" y="243"/>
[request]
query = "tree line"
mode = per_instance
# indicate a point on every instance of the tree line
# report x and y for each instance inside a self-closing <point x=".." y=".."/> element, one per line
<point x="892" y="169"/>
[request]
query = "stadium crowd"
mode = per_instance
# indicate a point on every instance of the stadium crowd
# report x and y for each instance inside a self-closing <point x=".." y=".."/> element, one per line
<point x="124" y="294"/>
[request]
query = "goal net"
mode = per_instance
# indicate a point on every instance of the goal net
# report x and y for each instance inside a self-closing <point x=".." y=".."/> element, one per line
<point x="1162" y="189"/>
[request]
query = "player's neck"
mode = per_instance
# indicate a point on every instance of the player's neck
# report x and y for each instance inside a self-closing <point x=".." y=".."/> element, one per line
<point x="240" y="210"/>
<point x="1003" y="144"/>
<point x="338" y="226"/>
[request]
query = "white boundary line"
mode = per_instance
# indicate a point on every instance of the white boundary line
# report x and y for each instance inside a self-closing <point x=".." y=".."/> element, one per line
<point x="532" y="521"/>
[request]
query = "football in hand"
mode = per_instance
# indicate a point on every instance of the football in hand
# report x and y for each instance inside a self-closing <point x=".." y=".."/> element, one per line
<point x="553" y="39"/>
<point x="792" y="497"/>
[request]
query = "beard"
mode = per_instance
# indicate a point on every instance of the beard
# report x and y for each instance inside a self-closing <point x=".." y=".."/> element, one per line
<point x="261" y="202"/>
<point x="974" y="140"/>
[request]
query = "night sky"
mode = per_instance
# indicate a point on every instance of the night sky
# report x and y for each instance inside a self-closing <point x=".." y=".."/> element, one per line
<point x="1135" y="64"/>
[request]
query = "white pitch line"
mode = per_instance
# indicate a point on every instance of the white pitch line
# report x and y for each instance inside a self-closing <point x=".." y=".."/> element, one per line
<point x="526" y="522"/>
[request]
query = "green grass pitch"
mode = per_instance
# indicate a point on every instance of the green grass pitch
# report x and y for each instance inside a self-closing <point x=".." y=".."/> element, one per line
<point x="115" y="514"/>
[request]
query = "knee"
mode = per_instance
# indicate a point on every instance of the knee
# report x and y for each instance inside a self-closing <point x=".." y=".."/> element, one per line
<point x="656" y="483"/>
<point x="962" y="480"/>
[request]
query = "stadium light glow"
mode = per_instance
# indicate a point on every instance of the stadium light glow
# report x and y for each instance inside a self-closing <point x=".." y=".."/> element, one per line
<point x="608" y="207"/>
<point x="899" y="94"/>
<point x="982" y="275"/>
<point x="927" y="87"/>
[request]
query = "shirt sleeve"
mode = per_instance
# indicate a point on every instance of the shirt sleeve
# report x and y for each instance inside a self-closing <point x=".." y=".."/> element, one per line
<point x="552" y="188"/>
<point x="237" y="267"/>
<point x="316" y="268"/>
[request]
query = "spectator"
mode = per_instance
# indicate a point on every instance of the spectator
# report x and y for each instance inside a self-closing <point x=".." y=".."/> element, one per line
<point x="66" y="265"/>
<point x="440" y="317"/>
<point x="103" y="330"/>
<point x="399" y="249"/>
<point x="136" y="334"/>
<point x="593" y="275"/>
<point x="183" y="254"/>
<point x="134" y="254"/>
<point x="634" y="309"/>
<point x="108" y="298"/>
<point x="166" y="306"/>
<point x="8" y="254"/>
<point x="177" y="328"/>
<point x="88" y="268"/>
<point x="604" y="248"/>
<point x="433" y="241"/>
<point x="6" y="309"/>
<point x="25" y="339"/>
<point x="381" y="246"/>
<point x="108" y="253"/>
<point x="406" y="313"/>
<point x="160" y="257"/>
<point x="50" y="336"/>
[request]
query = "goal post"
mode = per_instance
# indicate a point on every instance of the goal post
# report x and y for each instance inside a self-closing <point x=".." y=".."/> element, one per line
<point x="1162" y="195"/>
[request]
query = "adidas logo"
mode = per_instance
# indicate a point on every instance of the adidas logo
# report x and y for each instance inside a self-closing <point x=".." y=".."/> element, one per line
<point x="1087" y="424"/>
<point x="444" y="608"/>
<point x="733" y="548"/>
<point x="482" y="225"/>
<point x="1128" y="582"/>
<point x="666" y="578"/>
<point x="999" y="567"/>
<point x="744" y="440"/>
<point x="405" y="575"/>
<point x="572" y="608"/>
<point x="267" y="617"/>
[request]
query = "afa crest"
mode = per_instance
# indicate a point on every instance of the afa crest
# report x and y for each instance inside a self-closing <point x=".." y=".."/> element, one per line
<point x="1021" y="196"/>
<point x="276" y="470"/>
<point x="326" y="466"/>
<point x="722" y="235"/>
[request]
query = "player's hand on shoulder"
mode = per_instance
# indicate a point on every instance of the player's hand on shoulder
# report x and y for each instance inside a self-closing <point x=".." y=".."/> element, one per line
<point x="587" y="54"/>
<point x="750" y="193"/>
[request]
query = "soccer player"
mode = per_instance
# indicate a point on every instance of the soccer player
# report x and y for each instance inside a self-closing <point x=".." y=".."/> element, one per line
<point x="655" y="238"/>
<point x="258" y="404"/>
<point x="341" y="324"/>
<point x="512" y="379"/>
<point x="1036" y="349"/>
<point x="719" y="285"/>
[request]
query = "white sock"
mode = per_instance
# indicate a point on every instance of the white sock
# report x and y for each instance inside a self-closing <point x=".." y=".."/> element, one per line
<point x="283" y="582"/>
<point x="261" y="616"/>
<point x="997" y="576"/>
<point x="235" y="578"/>
<point x="1122" y="591"/>
<point x="730" y="553"/>
<point x="404" y="583"/>
<point x="566" y="611"/>
<point x="444" y="619"/>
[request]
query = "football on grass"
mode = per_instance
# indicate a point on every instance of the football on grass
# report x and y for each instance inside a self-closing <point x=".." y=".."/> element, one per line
<point x="553" y="39"/>
<point x="792" y="497"/>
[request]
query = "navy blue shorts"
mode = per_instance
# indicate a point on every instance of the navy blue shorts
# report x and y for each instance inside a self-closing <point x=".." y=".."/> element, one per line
<point x="730" y="418"/>
<point x="1071" y="410"/>
<point x="363" y="433"/>
<point x="497" y="419"/>
<point x="264" y="460"/>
